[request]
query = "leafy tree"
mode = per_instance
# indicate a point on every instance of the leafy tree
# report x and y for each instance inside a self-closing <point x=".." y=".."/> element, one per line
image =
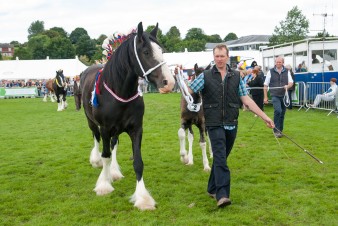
<point x="195" y="33"/>
<point x="174" y="33"/>
<point x="214" y="38"/>
<point x="36" y="28"/>
<point x="60" y="30"/>
<point x="0" y="55"/>
<point x="230" y="36"/>
<point x="61" y="48"/>
<point x="86" y="46"/>
<point x="294" y="28"/>
<point x="320" y="35"/>
<point x="38" y="45"/>
<point x="51" y="33"/>
<point x="193" y="45"/>
<point x="76" y="34"/>
<point x="100" y="40"/>
<point x="15" y="43"/>
<point x="23" y="53"/>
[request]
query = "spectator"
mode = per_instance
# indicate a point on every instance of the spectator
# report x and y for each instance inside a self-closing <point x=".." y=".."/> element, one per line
<point x="314" y="59"/>
<point x="77" y="93"/>
<point x="329" y="95"/>
<point x="256" y="84"/>
<point x="293" y="87"/>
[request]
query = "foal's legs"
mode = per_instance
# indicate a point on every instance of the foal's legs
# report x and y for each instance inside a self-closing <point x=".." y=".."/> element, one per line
<point x="183" y="152"/>
<point x="141" y="197"/>
<point x="203" y="145"/>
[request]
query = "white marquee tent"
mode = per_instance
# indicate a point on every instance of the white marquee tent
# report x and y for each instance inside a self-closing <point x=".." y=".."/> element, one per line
<point x="39" y="69"/>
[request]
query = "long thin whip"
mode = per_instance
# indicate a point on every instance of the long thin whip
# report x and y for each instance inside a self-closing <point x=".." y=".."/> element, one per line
<point x="306" y="151"/>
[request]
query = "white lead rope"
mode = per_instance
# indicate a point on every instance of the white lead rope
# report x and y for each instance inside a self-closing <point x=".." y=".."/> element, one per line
<point x="286" y="98"/>
<point x="185" y="93"/>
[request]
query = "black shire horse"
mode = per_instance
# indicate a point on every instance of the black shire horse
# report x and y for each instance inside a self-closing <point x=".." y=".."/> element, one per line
<point x="189" y="118"/>
<point x="60" y="90"/>
<point x="119" y="107"/>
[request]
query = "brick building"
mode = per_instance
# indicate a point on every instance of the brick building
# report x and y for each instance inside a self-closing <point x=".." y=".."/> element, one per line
<point x="7" y="49"/>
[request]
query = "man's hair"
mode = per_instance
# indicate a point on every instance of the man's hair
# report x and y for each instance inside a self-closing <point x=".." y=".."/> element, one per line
<point x="333" y="80"/>
<point x="221" y="46"/>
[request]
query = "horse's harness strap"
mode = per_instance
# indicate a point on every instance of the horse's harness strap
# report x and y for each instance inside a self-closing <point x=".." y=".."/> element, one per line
<point x="139" y="62"/>
<point x="119" y="98"/>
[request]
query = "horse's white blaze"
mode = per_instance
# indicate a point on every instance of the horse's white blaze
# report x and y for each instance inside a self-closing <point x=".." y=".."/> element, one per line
<point x="157" y="51"/>
<point x="190" y="155"/>
<point x="95" y="155"/>
<point x="103" y="184"/>
<point x="142" y="198"/>
<point x="114" y="166"/>
<point x="205" y="158"/>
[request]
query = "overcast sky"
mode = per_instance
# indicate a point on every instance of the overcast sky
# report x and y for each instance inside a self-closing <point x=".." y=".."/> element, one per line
<point x="245" y="17"/>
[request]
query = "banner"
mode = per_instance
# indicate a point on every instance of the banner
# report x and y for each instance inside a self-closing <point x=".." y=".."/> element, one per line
<point x="18" y="92"/>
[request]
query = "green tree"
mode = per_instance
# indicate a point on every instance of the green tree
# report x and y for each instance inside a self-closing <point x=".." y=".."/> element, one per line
<point x="60" y="30"/>
<point x="195" y="33"/>
<point x="38" y="46"/>
<point x="22" y="53"/>
<point x="174" y="33"/>
<point x="100" y="40"/>
<point x="86" y="46"/>
<point x="231" y="36"/>
<point x="295" y="27"/>
<point x="76" y="34"/>
<point x="0" y="55"/>
<point x="36" y="28"/>
<point x="61" y="48"/>
<point x="214" y="38"/>
<point x="193" y="45"/>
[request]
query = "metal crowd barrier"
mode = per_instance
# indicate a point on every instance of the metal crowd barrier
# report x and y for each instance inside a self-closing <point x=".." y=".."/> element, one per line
<point x="315" y="88"/>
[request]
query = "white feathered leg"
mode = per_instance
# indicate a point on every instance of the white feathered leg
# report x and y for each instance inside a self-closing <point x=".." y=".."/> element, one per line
<point x="103" y="184"/>
<point x="52" y="98"/>
<point x="45" y="98"/>
<point x="95" y="155"/>
<point x="190" y="154"/>
<point x="211" y="155"/>
<point x="60" y="106"/>
<point x="205" y="158"/>
<point x="114" y="167"/>
<point x="142" y="198"/>
<point x="183" y="152"/>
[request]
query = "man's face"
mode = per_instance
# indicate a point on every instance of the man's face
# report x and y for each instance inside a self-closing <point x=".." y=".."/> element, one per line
<point x="220" y="57"/>
<point x="279" y="63"/>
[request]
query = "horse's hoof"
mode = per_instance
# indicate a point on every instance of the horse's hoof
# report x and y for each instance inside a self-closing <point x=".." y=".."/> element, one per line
<point x="207" y="169"/>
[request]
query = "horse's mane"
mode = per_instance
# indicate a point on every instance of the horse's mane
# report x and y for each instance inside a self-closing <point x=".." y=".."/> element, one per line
<point x="123" y="63"/>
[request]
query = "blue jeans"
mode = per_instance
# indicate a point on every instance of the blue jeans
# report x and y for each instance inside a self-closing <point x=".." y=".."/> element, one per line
<point x="279" y="112"/>
<point x="222" y="142"/>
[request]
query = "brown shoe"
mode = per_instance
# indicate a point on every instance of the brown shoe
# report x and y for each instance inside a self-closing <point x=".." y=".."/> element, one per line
<point x="223" y="202"/>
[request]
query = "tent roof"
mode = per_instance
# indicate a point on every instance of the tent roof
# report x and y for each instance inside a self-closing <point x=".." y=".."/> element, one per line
<point x="39" y="69"/>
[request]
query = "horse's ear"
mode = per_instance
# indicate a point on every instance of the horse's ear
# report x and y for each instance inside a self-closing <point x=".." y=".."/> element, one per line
<point x="154" y="31"/>
<point x="195" y="67"/>
<point x="139" y="31"/>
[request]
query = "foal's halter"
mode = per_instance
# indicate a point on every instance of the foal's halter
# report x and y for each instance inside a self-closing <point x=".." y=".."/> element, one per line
<point x="139" y="62"/>
<point x="57" y="83"/>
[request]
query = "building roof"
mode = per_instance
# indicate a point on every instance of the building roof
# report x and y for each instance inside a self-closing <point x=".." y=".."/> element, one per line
<point x="245" y="40"/>
<point x="39" y="69"/>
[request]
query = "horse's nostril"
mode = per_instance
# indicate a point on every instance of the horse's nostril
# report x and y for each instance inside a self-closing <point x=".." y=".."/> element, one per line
<point x="165" y="82"/>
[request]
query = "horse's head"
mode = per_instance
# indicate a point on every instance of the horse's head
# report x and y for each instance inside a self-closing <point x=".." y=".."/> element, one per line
<point x="149" y="55"/>
<point x="60" y="78"/>
<point x="198" y="71"/>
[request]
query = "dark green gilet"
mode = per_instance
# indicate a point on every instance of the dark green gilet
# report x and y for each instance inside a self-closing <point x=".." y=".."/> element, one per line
<point x="220" y="98"/>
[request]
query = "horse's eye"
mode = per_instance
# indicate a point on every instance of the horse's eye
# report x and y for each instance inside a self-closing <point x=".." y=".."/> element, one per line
<point x="146" y="52"/>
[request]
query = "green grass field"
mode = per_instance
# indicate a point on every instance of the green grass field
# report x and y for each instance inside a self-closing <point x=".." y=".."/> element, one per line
<point x="46" y="177"/>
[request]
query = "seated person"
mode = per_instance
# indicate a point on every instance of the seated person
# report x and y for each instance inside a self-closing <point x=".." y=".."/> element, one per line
<point x="314" y="59"/>
<point x="328" y="95"/>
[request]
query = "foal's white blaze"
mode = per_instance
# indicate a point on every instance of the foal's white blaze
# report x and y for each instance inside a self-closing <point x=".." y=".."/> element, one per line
<point x="157" y="51"/>
<point x="95" y="155"/>
<point x="142" y="198"/>
<point x="114" y="166"/>
<point x="103" y="184"/>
